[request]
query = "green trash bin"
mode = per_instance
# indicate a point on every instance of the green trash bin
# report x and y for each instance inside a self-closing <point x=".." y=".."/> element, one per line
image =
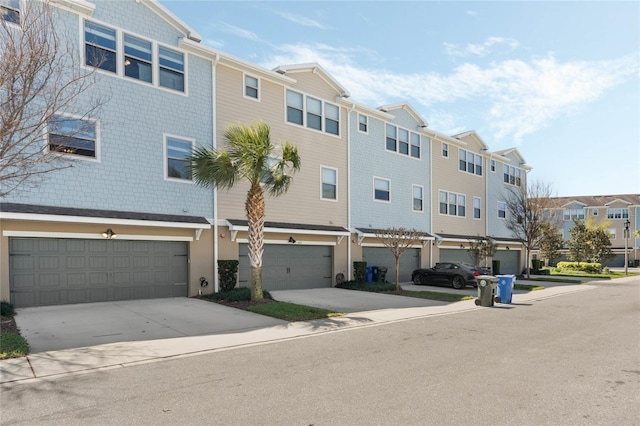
<point x="486" y="290"/>
<point x="382" y="274"/>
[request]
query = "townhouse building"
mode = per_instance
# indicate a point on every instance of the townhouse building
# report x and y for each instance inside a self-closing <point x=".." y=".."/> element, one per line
<point x="619" y="212"/>
<point x="128" y="222"/>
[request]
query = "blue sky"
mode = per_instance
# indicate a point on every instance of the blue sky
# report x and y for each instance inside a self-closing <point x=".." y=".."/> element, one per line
<point x="560" y="81"/>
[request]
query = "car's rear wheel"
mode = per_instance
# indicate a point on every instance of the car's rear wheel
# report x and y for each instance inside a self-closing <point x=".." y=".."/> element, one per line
<point x="457" y="282"/>
<point x="417" y="279"/>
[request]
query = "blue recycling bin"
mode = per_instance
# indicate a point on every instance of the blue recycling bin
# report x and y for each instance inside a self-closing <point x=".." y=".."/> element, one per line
<point x="505" y="287"/>
<point x="369" y="274"/>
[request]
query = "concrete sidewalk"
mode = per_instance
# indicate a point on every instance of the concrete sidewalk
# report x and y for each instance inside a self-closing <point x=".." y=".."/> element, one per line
<point x="49" y="365"/>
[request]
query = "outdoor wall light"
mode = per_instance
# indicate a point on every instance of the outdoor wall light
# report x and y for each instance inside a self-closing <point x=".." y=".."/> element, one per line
<point x="461" y="246"/>
<point x="508" y="248"/>
<point x="109" y="234"/>
<point x="291" y="240"/>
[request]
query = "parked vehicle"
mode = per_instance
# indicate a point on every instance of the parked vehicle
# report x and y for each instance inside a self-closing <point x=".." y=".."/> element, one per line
<point x="458" y="275"/>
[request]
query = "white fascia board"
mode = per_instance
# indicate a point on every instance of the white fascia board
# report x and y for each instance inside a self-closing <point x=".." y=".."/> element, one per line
<point x="243" y="228"/>
<point x="78" y="6"/>
<point x="314" y="68"/>
<point x="297" y="243"/>
<point x="171" y="18"/>
<point x="100" y="220"/>
<point x="364" y="109"/>
<point x="89" y="236"/>
<point x="618" y="200"/>
<point x="475" y="136"/>
<point x="407" y="107"/>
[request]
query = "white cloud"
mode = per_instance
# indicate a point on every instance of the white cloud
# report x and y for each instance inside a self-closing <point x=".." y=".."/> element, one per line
<point x="237" y="31"/>
<point x="301" y="20"/>
<point x="482" y="49"/>
<point x="514" y="98"/>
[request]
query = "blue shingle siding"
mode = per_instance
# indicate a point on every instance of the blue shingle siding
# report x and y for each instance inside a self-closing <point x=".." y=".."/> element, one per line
<point x="370" y="158"/>
<point x="129" y="175"/>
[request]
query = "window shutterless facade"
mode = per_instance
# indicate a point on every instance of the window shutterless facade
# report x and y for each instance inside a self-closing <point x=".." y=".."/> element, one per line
<point x="512" y="176"/>
<point x="493" y="166"/>
<point x="470" y="162"/>
<point x="402" y="141"/>
<point x="502" y="210"/>
<point x="140" y="59"/>
<point x="445" y="149"/>
<point x="312" y="113"/>
<point x="363" y="123"/>
<point x="381" y="189"/>
<point x="72" y="136"/>
<point x="570" y="214"/>
<point x="418" y="198"/>
<point x="329" y="190"/>
<point x="618" y="213"/>
<point x="477" y="208"/>
<point x="452" y="203"/>
<point x="177" y="151"/>
<point x="251" y="87"/>
<point x="10" y="11"/>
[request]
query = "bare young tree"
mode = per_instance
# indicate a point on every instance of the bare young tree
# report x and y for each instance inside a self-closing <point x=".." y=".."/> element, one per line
<point x="398" y="241"/>
<point x="530" y="210"/>
<point x="481" y="248"/>
<point x="39" y="79"/>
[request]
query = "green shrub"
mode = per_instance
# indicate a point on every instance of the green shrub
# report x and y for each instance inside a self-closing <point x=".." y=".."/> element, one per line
<point x="6" y="309"/>
<point x="359" y="270"/>
<point x="367" y="286"/>
<point x="228" y="274"/>
<point x="239" y="294"/>
<point x="589" y="268"/>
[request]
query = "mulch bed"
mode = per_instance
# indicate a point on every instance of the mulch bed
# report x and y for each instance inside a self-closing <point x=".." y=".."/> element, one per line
<point x="8" y="323"/>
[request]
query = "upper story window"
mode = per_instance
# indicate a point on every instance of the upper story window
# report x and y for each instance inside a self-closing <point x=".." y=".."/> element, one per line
<point x="612" y="233"/>
<point x="493" y="166"/>
<point x="445" y="149"/>
<point x="178" y="151"/>
<point x="452" y="204"/>
<point x="570" y="214"/>
<point x="618" y="213"/>
<point x="251" y="87"/>
<point x="139" y="59"/>
<point x="363" y="123"/>
<point x="381" y="189"/>
<point x="418" y="198"/>
<point x="10" y="11"/>
<point x="100" y="46"/>
<point x="470" y="162"/>
<point x="477" y="207"/>
<point x="512" y="176"/>
<point x="595" y="212"/>
<point x="329" y="183"/>
<point x="73" y="136"/>
<point x="402" y="141"/>
<point x="312" y="113"/>
<point x="502" y="210"/>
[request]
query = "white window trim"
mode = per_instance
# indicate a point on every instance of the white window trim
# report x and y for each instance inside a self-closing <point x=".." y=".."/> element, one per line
<point x="366" y="132"/>
<point x="165" y="156"/>
<point x="475" y="165"/>
<point x="374" y="190"/>
<point x="244" y="87"/>
<point x="155" y="58"/>
<point x="412" y="197"/>
<point x="493" y="166"/>
<point x="304" y="114"/>
<point x="397" y="151"/>
<point x="20" y="12"/>
<point x="474" y="208"/>
<point x="322" y="183"/>
<point x="505" y="210"/>
<point x="457" y="194"/>
<point x="442" y="150"/>
<point x="95" y="122"/>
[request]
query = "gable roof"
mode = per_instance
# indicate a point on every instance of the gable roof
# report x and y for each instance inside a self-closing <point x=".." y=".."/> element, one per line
<point x="519" y="157"/>
<point x="600" y="200"/>
<point x="315" y="68"/>
<point x="407" y="107"/>
<point x="171" y="18"/>
<point x="473" y="135"/>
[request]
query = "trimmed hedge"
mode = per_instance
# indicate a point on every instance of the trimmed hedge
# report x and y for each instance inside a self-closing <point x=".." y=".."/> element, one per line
<point x="367" y="286"/>
<point x="590" y="268"/>
<point x="228" y="274"/>
<point x="359" y="270"/>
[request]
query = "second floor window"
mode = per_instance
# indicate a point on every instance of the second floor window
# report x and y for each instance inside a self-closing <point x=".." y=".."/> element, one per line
<point x="452" y="204"/>
<point x="72" y="136"/>
<point x="418" y="198"/>
<point x="381" y="189"/>
<point x="477" y="207"/>
<point x="312" y="113"/>
<point x="329" y="183"/>
<point x="470" y="162"/>
<point x="10" y="11"/>
<point x="178" y="153"/>
<point x="502" y="210"/>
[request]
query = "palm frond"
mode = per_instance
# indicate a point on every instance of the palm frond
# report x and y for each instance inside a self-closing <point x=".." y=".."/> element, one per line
<point x="211" y="167"/>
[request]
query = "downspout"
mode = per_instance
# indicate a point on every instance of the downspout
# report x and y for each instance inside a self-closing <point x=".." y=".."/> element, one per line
<point x="349" y="112"/>
<point x="431" y="200"/>
<point x="216" y="284"/>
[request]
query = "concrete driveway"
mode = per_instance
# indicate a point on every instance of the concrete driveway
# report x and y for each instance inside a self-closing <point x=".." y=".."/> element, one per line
<point x="49" y="328"/>
<point x="349" y="301"/>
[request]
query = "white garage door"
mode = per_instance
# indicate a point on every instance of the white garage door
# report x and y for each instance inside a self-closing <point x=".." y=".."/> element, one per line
<point x="52" y="271"/>
<point x="289" y="267"/>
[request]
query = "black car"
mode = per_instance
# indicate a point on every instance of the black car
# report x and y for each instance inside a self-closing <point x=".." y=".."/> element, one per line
<point x="457" y="274"/>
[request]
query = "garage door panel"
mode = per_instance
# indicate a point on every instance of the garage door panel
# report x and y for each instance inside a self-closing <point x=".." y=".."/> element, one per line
<point x="94" y="270"/>
<point x="382" y="257"/>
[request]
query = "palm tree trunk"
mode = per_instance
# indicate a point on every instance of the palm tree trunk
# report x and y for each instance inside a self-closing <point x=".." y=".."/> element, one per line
<point x="255" y="208"/>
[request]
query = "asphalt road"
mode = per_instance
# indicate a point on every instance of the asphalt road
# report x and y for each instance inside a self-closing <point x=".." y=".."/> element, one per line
<point x="567" y="360"/>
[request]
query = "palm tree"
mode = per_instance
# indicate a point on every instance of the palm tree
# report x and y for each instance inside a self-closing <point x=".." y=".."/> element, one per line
<point x="250" y="156"/>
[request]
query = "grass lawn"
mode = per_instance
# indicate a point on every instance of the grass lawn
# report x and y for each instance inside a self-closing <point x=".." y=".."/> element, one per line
<point x="12" y="345"/>
<point x="435" y="295"/>
<point x="603" y="276"/>
<point x="292" y="312"/>
<point x="527" y="287"/>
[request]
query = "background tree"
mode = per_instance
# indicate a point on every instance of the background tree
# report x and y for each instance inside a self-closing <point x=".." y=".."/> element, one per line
<point x="530" y="209"/>
<point x="252" y="157"/>
<point x="398" y="241"/>
<point x="482" y="248"/>
<point x="551" y="243"/>
<point x="590" y="241"/>
<point x="39" y="77"/>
